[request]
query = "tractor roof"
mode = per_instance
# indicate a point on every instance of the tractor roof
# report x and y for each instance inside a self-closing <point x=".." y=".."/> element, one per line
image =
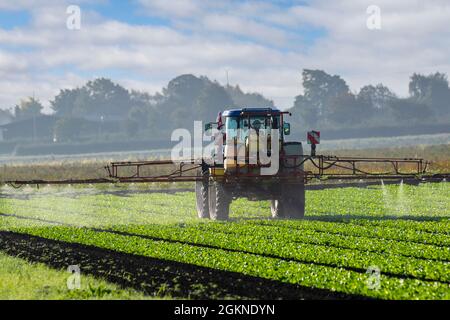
<point x="256" y="111"/>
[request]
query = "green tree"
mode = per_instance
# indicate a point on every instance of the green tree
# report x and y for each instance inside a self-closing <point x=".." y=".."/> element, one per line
<point x="64" y="103"/>
<point x="432" y="90"/>
<point x="28" y="108"/>
<point x="102" y="97"/>
<point x="138" y="118"/>
<point x="305" y="113"/>
<point x="184" y="90"/>
<point x="409" y="110"/>
<point x="321" y="90"/>
<point x="247" y="99"/>
<point x="212" y="100"/>
<point x="379" y="97"/>
<point x="350" y="110"/>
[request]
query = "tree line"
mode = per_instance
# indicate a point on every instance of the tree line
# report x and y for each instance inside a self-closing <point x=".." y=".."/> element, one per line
<point x="326" y="102"/>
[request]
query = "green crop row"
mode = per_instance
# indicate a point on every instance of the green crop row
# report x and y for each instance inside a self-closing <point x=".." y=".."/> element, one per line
<point x="363" y="243"/>
<point x="326" y="253"/>
<point x="359" y="230"/>
<point x="317" y="249"/>
<point x="154" y="208"/>
<point x="344" y="236"/>
<point x="401" y="230"/>
<point x="306" y="274"/>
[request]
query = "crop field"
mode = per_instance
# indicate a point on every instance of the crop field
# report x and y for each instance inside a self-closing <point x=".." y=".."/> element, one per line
<point x="380" y="242"/>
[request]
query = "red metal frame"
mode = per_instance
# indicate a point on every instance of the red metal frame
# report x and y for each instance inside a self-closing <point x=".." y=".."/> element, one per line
<point x="185" y="169"/>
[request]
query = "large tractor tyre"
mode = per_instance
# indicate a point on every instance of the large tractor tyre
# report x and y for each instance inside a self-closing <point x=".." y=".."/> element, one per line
<point x="297" y="203"/>
<point x="291" y="204"/>
<point x="219" y="201"/>
<point x="201" y="193"/>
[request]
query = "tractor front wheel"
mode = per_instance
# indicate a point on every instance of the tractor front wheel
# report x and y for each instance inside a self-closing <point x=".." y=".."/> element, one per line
<point x="219" y="201"/>
<point x="278" y="209"/>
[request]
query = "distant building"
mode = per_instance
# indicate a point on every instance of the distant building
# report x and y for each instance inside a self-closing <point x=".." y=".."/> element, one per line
<point x="5" y="118"/>
<point x="42" y="128"/>
<point x="34" y="128"/>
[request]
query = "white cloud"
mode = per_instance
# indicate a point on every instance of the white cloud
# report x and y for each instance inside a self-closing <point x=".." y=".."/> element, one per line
<point x="258" y="42"/>
<point x="43" y="86"/>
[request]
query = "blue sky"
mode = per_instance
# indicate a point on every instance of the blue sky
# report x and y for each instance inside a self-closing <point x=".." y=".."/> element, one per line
<point x="10" y="19"/>
<point x="264" y="45"/>
<point x="125" y="11"/>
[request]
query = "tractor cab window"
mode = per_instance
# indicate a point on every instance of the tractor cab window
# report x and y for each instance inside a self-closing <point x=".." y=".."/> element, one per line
<point x="256" y="123"/>
<point x="239" y="127"/>
<point x="261" y="124"/>
<point x="231" y="126"/>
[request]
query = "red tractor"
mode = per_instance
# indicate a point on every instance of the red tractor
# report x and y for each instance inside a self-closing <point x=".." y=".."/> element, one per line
<point x="241" y="173"/>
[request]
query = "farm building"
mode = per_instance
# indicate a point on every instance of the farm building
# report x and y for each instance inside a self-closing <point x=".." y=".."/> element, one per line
<point x="40" y="127"/>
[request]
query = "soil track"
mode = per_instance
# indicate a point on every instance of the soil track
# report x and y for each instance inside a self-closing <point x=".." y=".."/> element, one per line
<point x="155" y="277"/>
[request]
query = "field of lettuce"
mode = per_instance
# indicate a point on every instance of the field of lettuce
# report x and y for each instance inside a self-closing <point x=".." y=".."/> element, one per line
<point x="150" y="240"/>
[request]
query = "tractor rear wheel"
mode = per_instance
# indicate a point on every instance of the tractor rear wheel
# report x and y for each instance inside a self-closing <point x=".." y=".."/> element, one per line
<point x="297" y="203"/>
<point x="219" y="201"/>
<point x="201" y="194"/>
<point x="290" y="204"/>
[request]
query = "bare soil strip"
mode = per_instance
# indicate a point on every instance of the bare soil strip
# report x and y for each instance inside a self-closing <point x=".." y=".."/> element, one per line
<point x="159" y="278"/>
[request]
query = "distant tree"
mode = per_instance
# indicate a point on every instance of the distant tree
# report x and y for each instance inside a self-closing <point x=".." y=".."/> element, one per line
<point x="97" y="98"/>
<point x="102" y="97"/>
<point x="184" y="90"/>
<point x="407" y="110"/>
<point x="28" y="108"/>
<point x="432" y="90"/>
<point x="305" y="112"/>
<point x="320" y="91"/>
<point x="138" y="117"/>
<point x="379" y="97"/>
<point x="350" y="110"/>
<point x="81" y="105"/>
<point x="132" y="128"/>
<point x="212" y="100"/>
<point x="176" y="105"/>
<point x="188" y="98"/>
<point x="64" y="103"/>
<point x="242" y="99"/>
<point x="143" y="99"/>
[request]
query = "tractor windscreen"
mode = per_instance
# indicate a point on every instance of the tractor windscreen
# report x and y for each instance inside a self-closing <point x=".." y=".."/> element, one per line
<point x="240" y="126"/>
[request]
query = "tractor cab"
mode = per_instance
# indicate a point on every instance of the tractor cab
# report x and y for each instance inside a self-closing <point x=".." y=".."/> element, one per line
<point x="249" y="134"/>
<point x="238" y="123"/>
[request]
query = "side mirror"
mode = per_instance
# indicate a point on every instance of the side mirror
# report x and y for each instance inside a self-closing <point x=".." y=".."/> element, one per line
<point x="286" y="129"/>
<point x="208" y="126"/>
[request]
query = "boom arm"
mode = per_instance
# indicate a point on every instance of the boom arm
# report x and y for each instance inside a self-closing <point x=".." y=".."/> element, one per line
<point x="322" y="168"/>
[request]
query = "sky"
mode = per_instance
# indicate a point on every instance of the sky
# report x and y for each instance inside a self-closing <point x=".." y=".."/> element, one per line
<point x="262" y="45"/>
